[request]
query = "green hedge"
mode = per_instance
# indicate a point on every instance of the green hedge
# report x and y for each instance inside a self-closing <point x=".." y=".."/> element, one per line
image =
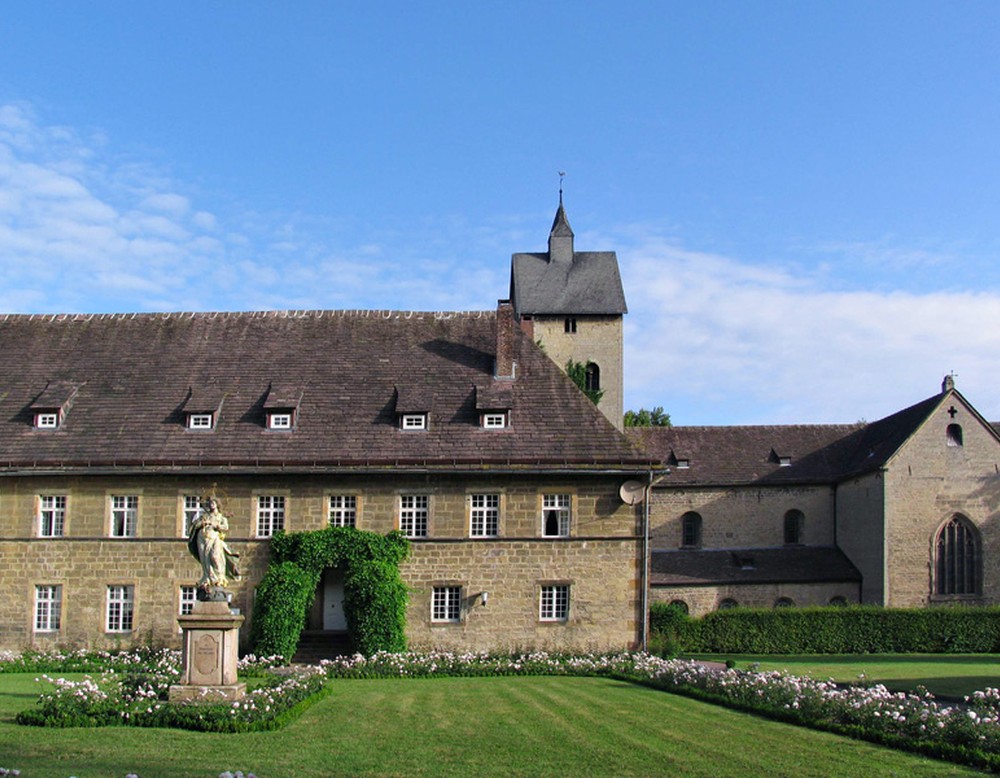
<point x="374" y="594"/>
<point x="830" y="630"/>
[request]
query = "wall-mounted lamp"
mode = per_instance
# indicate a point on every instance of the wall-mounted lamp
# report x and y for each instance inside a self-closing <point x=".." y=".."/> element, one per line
<point x="485" y="597"/>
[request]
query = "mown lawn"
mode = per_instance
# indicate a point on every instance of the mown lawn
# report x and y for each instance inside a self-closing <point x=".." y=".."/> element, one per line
<point x="951" y="675"/>
<point x="462" y="727"/>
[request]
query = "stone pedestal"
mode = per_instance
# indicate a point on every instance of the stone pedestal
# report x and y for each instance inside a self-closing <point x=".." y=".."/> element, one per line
<point x="210" y="652"/>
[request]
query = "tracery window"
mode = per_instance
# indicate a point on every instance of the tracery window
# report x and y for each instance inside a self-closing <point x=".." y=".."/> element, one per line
<point x="957" y="558"/>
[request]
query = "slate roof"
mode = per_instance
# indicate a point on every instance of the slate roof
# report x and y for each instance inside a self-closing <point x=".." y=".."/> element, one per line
<point x="816" y="453"/>
<point x="799" y="564"/>
<point x="135" y="375"/>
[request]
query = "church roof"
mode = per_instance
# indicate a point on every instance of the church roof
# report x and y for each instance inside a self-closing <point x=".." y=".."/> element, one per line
<point x="340" y="372"/>
<point x="798" y="564"/>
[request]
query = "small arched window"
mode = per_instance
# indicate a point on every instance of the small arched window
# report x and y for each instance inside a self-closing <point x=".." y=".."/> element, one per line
<point x="679" y="605"/>
<point x="958" y="562"/>
<point x="794" y="523"/>
<point x="784" y="602"/>
<point x="593" y="378"/>
<point x="838" y="601"/>
<point x="691" y="530"/>
<point x="728" y="604"/>
<point x="954" y="434"/>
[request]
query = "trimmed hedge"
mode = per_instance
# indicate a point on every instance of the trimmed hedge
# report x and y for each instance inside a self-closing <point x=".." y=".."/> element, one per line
<point x="831" y="630"/>
<point x="374" y="594"/>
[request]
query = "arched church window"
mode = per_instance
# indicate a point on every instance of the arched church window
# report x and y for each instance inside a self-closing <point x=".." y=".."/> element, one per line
<point x="794" y="523"/>
<point x="954" y="434"/>
<point x="593" y="377"/>
<point x="691" y="530"/>
<point x="784" y="602"/>
<point x="958" y="561"/>
<point x="728" y="604"/>
<point x="679" y="605"/>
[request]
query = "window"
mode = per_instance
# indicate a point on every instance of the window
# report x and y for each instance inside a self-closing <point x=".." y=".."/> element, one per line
<point x="200" y="421"/>
<point x="958" y="559"/>
<point x="680" y="606"/>
<point x="51" y="516"/>
<point x="784" y="602"/>
<point x="124" y="515"/>
<point x="48" y="607"/>
<point x="838" y="601"/>
<point x="691" y="530"/>
<point x="727" y="604"/>
<point x="121" y="601"/>
<point x="954" y="434"/>
<point x="46" y="421"/>
<point x="494" y="421"/>
<point x="555" y="515"/>
<point x="569" y="325"/>
<point x="343" y="510"/>
<point x="413" y="510"/>
<point x="189" y="595"/>
<point x="446" y="604"/>
<point x="484" y="515"/>
<point x="279" y="421"/>
<point x="554" y="603"/>
<point x="270" y="514"/>
<point x="794" y="523"/>
<point x="414" y="421"/>
<point x="592" y="378"/>
<point x="784" y="461"/>
<point x="683" y="464"/>
<point x="192" y="507"/>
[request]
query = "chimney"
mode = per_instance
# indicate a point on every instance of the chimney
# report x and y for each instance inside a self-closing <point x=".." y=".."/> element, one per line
<point x="504" y="364"/>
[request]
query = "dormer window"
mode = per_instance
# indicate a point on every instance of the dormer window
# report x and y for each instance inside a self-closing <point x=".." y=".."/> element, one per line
<point x="279" y="421"/>
<point x="413" y="421"/>
<point x="494" y="421"/>
<point x="784" y="461"/>
<point x="46" y="421"/>
<point x="683" y="464"/>
<point x="200" y="421"/>
<point x="780" y="460"/>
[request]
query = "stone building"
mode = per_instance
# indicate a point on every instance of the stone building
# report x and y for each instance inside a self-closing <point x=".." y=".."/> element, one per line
<point x="901" y="512"/>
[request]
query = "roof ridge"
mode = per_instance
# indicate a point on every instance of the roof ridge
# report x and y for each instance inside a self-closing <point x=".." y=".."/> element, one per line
<point x="318" y="313"/>
<point x="833" y="425"/>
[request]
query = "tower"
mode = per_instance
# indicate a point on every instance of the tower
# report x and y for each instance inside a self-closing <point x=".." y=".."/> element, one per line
<point x="572" y="302"/>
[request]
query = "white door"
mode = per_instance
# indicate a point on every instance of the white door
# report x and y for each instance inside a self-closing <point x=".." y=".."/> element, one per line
<point x="333" y="601"/>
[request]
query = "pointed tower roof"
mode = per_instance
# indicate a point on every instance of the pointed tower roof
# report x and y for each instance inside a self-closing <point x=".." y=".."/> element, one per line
<point x="560" y="224"/>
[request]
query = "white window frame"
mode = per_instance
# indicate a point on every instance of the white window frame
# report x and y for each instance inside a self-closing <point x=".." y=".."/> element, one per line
<point x="446" y="604"/>
<point x="48" y="607"/>
<point x="120" y="611"/>
<point x="342" y="510"/>
<point x="279" y="421"/>
<point x="413" y="421"/>
<point x="124" y="515"/>
<point x="553" y="602"/>
<point x="47" y="420"/>
<point x="494" y="421"/>
<point x="562" y="504"/>
<point x="51" y="515"/>
<point x="188" y="597"/>
<point x="201" y="421"/>
<point x="484" y="515"/>
<point x="414" y="515"/>
<point x="190" y="508"/>
<point x="271" y="509"/>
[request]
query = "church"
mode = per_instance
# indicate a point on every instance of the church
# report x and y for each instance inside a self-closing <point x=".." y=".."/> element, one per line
<point x="535" y="519"/>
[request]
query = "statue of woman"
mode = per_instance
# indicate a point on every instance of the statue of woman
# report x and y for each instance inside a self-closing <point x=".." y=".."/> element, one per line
<point x="207" y="542"/>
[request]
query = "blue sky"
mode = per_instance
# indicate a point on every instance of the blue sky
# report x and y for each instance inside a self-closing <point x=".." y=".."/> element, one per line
<point x="803" y="196"/>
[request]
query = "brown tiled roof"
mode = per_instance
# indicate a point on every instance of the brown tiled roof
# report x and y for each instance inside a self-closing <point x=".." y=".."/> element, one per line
<point x="135" y="373"/>
<point x="798" y="564"/>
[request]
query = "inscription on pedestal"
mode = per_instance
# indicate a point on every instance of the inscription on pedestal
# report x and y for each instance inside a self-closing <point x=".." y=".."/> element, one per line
<point x="206" y="655"/>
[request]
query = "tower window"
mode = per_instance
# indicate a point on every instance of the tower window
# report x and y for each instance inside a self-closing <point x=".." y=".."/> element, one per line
<point x="569" y="324"/>
<point x="954" y="434"/>
<point x="593" y="377"/>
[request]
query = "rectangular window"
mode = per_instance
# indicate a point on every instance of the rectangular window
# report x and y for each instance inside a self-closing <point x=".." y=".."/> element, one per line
<point x="555" y="515"/>
<point x="121" y="601"/>
<point x="343" y="510"/>
<point x="270" y="515"/>
<point x="484" y="515"/>
<point x="200" y="421"/>
<point x="446" y="604"/>
<point x="494" y="421"/>
<point x="414" y="421"/>
<point x="192" y="507"/>
<point x="124" y="515"/>
<point x="47" y="421"/>
<point x="413" y="511"/>
<point x="48" y="608"/>
<point x="279" y="421"/>
<point x="189" y="594"/>
<point x="554" y="603"/>
<point x="51" y="516"/>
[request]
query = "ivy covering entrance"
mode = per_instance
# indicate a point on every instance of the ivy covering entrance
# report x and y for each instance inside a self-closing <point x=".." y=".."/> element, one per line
<point x="374" y="594"/>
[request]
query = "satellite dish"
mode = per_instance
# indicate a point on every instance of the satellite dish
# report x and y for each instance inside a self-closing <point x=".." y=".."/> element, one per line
<point x="632" y="492"/>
